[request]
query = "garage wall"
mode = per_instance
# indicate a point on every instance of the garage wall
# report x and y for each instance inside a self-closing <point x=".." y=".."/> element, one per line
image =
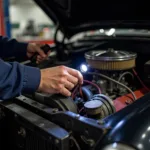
<point x="21" y="12"/>
<point x="26" y="12"/>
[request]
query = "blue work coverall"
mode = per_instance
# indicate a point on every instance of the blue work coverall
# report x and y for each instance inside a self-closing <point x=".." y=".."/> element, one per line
<point x="15" y="78"/>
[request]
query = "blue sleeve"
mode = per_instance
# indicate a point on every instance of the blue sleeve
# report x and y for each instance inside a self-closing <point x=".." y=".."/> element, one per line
<point x="12" y="48"/>
<point x="16" y="79"/>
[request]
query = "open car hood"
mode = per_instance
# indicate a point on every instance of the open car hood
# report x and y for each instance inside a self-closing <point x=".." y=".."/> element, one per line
<point x="74" y="16"/>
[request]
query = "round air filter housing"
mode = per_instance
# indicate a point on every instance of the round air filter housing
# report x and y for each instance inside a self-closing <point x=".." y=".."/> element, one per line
<point x="110" y="59"/>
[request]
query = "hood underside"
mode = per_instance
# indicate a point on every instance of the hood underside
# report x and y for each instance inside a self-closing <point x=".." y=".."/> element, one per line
<point x="74" y="16"/>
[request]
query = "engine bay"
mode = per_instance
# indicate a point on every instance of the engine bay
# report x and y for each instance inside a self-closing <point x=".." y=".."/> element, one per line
<point x="112" y="76"/>
<point x="100" y="113"/>
<point x="111" y="80"/>
<point x="110" y="110"/>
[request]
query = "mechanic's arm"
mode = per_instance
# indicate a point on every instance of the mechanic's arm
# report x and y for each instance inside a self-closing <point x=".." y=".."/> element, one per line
<point x="16" y="79"/>
<point x="13" y="48"/>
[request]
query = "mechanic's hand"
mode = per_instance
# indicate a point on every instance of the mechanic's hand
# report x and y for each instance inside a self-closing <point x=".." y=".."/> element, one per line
<point x="59" y="79"/>
<point x="35" y="48"/>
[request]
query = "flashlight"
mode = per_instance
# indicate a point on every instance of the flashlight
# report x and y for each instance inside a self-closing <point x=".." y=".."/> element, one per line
<point x="83" y="68"/>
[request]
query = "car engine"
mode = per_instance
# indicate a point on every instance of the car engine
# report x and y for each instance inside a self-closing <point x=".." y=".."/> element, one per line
<point x="109" y="74"/>
<point x="116" y="65"/>
<point x="111" y="109"/>
<point x="110" y="98"/>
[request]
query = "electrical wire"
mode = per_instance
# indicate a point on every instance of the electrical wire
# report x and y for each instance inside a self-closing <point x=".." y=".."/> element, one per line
<point x="55" y="35"/>
<point x="99" y="90"/>
<point x="81" y="110"/>
<point x="75" y="90"/>
<point x="146" y="88"/>
<point x="80" y="88"/>
<point x="108" y="78"/>
<point x="124" y="74"/>
<point x="75" y="142"/>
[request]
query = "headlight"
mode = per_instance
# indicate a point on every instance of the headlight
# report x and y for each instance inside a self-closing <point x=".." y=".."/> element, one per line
<point x="118" y="146"/>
